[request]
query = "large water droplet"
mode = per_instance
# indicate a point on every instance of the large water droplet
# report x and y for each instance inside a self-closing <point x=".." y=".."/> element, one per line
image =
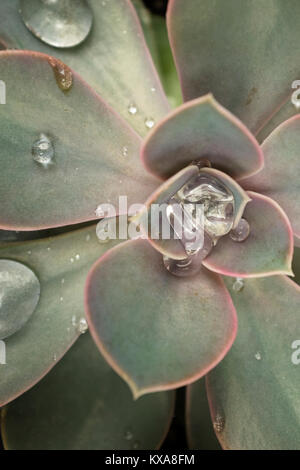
<point x="19" y="295"/>
<point x="59" y="23"/>
<point x="241" y="232"/>
<point x="43" y="150"/>
<point x="238" y="284"/>
<point x="217" y="202"/>
<point x="63" y="74"/>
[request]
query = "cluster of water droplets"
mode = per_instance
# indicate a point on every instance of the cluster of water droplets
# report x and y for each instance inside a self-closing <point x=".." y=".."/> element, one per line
<point x="133" y="110"/>
<point x="204" y="211"/>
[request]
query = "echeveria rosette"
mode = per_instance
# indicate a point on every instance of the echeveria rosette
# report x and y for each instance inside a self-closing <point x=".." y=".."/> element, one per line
<point x="238" y="63"/>
<point x="158" y="332"/>
<point x="142" y="330"/>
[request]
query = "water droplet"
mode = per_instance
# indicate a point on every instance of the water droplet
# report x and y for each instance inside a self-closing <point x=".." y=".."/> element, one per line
<point x="74" y="320"/>
<point x="219" y="423"/>
<point x="241" y="232"/>
<point x="202" y="163"/>
<point x="185" y="267"/>
<point x="29" y="252"/>
<point x="61" y="299"/>
<point x="257" y="356"/>
<point x="19" y="296"/>
<point x="149" y="123"/>
<point x="136" y="445"/>
<point x="125" y="151"/>
<point x="72" y="260"/>
<point x="63" y="74"/>
<point x="238" y="284"/>
<point x="48" y="249"/>
<point x="88" y="237"/>
<point x="77" y="257"/>
<point x="43" y="150"/>
<point x="58" y="23"/>
<point x="82" y="326"/>
<point x="217" y="202"/>
<point x="63" y="281"/>
<point x="132" y="109"/>
<point x="153" y="89"/>
<point x="128" y="435"/>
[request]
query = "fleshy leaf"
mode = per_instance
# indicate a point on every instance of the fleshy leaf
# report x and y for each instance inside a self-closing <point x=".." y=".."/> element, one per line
<point x="200" y="432"/>
<point x="83" y="405"/>
<point x="254" y="393"/>
<point x="285" y="112"/>
<point x="280" y="178"/>
<point x="157" y="331"/>
<point x="267" y="251"/>
<point x="114" y="59"/>
<point x="61" y="264"/>
<point x="90" y="166"/>
<point x="199" y="129"/>
<point x="234" y="50"/>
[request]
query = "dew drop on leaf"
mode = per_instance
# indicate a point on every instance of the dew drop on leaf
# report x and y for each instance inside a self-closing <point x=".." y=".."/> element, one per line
<point x="149" y="123"/>
<point x="241" y="232"/>
<point x="58" y="23"/>
<point x="43" y="151"/>
<point x="257" y="356"/>
<point x="132" y="109"/>
<point x="82" y="326"/>
<point x="124" y="151"/>
<point x="63" y="74"/>
<point x="238" y="284"/>
<point x="19" y="296"/>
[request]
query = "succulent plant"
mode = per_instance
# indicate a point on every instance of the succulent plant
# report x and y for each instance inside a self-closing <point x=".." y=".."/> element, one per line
<point x="87" y="120"/>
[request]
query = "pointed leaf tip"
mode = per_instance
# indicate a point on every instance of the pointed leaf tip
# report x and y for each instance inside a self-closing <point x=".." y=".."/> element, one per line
<point x="201" y="128"/>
